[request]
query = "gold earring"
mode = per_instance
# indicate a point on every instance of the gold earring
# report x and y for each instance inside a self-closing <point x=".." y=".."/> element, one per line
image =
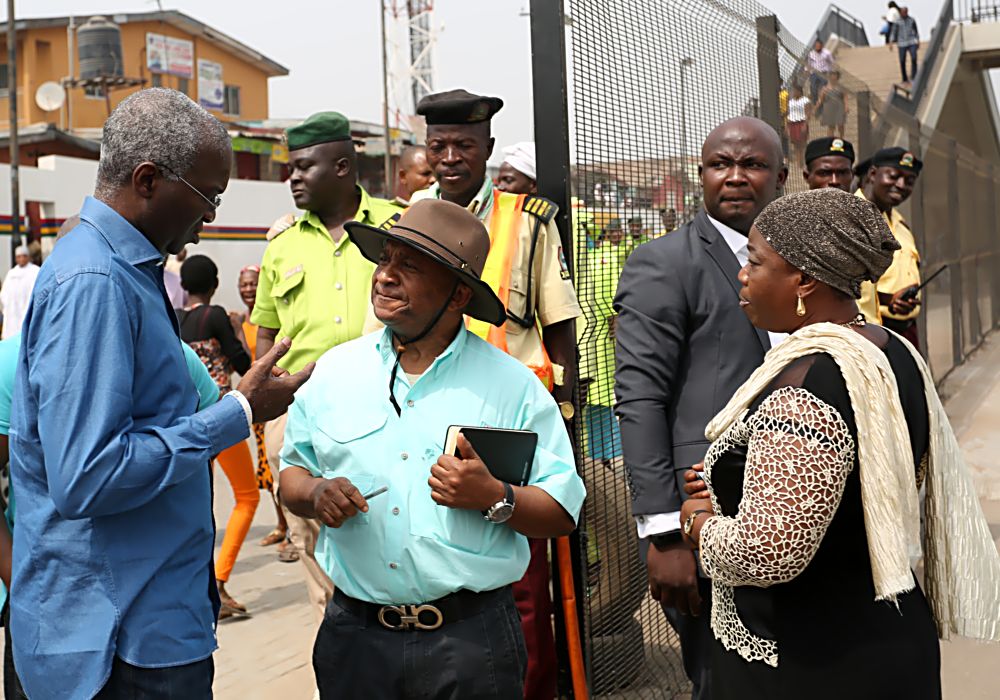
<point x="800" y="308"/>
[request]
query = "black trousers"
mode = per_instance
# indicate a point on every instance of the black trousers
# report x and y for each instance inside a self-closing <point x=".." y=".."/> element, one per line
<point x="482" y="657"/>
<point x="910" y="51"/>
<point x="696" y="642"/>
<point x="189" y="682"/>
<point x="12" y="689"/>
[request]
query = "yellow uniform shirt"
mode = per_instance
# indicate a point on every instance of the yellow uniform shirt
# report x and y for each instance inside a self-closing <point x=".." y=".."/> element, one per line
<point x="314" y="290"/>
<point x="902" y="273"/>
<point x="552" y="295"/>
<point x="601" y="267"/>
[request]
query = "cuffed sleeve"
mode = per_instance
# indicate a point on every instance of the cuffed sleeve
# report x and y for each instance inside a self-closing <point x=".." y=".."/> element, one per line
<point x="556" y="300"/>
<point x="297" y="449"/>
<point x="555" y="468"/>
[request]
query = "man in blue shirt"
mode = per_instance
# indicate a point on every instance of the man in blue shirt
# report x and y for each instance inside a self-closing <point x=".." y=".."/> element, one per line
<point x="208" y="394"/>
<point x="447" y="539"/>
<point x="112" y="572"/>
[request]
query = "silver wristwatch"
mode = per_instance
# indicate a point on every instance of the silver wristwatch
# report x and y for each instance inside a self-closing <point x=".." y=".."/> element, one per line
<point x="501" y="511"/>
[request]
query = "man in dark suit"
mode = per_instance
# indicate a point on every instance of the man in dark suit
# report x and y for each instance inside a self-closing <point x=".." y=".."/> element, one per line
<point x="683" y="348"/>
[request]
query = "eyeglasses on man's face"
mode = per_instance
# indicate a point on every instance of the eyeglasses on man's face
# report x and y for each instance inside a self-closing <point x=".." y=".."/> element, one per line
<point x="214" y="202"/>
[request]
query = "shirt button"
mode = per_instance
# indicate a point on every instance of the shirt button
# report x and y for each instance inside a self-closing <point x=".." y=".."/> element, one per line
<point x="336" y="253"/>
<point x="395" y="511"/>
<point x="410" y="403"/>
<point x="337" y="319"/>
<point x="405" y="455"/>
<point x="338" y="286"/>
<point x="393" y="565"/>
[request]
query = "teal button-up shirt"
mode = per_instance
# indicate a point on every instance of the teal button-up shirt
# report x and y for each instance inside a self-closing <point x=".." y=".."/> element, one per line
<point x="406" y="548"/>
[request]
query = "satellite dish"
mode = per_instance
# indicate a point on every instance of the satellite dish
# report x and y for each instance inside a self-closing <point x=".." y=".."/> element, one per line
<point x="50" y="96"/>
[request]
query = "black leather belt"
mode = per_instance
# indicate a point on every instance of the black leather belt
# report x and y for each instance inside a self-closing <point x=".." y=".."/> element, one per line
<point x="457" y="606"/>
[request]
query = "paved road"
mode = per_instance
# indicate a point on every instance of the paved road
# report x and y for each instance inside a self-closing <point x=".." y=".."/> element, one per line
<point x="267" y="656"/>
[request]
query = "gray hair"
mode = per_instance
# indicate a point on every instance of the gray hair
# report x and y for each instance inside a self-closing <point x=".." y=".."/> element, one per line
<point x="159" y="125"/>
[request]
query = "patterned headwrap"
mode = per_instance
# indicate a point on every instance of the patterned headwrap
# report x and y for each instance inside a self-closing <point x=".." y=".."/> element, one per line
<point x="835" y="237"/>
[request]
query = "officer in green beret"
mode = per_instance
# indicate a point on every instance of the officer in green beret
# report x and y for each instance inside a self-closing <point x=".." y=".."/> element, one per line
<point x="314" y="283"/>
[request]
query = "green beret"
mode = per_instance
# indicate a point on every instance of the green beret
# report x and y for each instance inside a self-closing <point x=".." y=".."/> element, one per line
<point x="458" y="107"/>
<point x="322" y="127"/>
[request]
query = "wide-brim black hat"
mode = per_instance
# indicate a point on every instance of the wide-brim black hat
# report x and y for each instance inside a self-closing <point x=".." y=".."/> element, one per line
<point x="449" y="234"/>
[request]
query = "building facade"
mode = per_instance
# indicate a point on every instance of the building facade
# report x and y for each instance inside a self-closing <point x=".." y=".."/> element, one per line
<point x="166" y="49"/>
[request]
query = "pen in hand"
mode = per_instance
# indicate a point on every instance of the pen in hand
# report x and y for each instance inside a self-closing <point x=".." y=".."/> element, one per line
<point x="374" y="493"/>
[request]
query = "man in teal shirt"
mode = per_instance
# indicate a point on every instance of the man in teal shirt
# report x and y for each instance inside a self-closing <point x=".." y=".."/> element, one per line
<point x="447" y="538"/>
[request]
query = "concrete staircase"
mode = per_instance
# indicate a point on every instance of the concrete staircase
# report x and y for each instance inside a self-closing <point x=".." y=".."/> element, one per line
<point x="875" y="66"/>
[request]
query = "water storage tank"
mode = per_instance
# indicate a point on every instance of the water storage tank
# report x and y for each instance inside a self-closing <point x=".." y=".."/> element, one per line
<point x="100" y="48"/>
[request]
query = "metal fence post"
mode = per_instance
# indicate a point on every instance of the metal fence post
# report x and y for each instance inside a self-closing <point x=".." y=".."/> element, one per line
<point x="994" y="253"/>
<point x="955" y="274"/>
<point x="865" y="146"/>
<point x="551" y="119"/>
<point x="917" y="221"/>
<point x="768" y="72"/>
<point x="548" y="79"/>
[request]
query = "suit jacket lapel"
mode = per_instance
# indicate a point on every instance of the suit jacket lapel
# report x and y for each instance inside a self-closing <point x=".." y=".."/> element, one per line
<point x="723" y="256"/>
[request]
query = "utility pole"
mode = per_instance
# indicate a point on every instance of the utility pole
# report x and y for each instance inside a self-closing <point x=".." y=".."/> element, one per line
<point x="385" y="105"/>
<point x="15" y="190"/>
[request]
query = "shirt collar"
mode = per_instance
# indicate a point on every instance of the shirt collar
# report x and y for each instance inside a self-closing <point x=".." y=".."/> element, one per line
<point x="384" y="346"/>
<point x="362" y="214"/>
<point x="481" y="204"/>
<point x="736" y="241"/>
<point x="892" y="217"/>
<point x="125" y="239"/>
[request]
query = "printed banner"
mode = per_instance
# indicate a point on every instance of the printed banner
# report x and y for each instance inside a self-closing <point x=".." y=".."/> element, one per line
<point x="211" y="89"/>
<point x="165" y="54"/>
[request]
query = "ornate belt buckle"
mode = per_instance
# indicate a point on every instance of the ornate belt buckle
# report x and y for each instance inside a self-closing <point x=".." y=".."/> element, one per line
<point x="409" y="617"/>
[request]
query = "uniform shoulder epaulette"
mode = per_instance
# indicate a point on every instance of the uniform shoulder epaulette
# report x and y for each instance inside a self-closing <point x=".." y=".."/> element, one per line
<point x="280" y="226"/>
<point x="391" y="221"/>
<point x="544" y="209"/>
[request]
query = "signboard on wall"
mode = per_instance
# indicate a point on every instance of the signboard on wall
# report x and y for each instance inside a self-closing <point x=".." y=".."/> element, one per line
<point x="166" y="54"/>
<point x="211" y="89"/>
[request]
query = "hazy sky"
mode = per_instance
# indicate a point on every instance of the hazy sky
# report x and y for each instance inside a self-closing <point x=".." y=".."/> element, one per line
<point x="332" y="49"/>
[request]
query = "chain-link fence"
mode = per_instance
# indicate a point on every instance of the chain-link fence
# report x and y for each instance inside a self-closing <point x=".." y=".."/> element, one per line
<point x="647" y="80"/>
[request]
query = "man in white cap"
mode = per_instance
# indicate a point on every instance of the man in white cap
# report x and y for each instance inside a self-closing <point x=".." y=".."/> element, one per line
<point x="517" y="172"/>
<point x="16" y="291"/>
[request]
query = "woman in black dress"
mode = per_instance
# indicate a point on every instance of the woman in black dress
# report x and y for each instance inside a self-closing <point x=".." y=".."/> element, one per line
<point x="812" y="481"/>
<point x="220" y="344"/>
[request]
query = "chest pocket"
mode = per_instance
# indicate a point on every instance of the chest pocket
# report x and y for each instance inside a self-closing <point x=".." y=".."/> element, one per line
<point x="337" y="441"/>
<point x="337" y="444"/>
<point x="518" y="301"/>
<point x="466" y="530"/>
<point x="285" y="292"/>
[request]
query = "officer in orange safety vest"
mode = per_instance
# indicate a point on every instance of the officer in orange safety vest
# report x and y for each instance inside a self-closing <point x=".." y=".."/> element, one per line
<point x="527" y="269"/>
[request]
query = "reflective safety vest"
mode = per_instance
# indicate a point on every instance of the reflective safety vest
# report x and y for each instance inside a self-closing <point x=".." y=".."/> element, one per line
<point x="504" y="226"/>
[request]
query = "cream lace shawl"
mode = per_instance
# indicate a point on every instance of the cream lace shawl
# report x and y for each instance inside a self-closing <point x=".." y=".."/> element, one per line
<point x="961" y="561"/>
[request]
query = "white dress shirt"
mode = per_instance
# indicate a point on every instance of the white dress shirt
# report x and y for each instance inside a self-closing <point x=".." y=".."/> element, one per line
<point x="15" y="296"/>
<point x="659" y="523"/>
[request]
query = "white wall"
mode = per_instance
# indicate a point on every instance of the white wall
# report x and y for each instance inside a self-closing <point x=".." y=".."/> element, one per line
<point x="248" y="208"/>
